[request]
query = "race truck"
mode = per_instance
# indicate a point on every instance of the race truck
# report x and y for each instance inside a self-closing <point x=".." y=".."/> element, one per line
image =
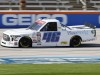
<point x="48" y="32"/>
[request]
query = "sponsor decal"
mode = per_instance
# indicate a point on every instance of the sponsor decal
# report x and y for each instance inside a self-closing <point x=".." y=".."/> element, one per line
<point x="51" y="36"/>
<point x="40" y="22"/>
<point x="64" y="42"/>
<point x="39" y="38"/>
<point x="77" y="32"/>
<point x="59" y="27"/>
<point x="28" y="19"/>
<point x="34" y="39"/>
<point x="24" y="20"/>
<point x="15" y="43"/>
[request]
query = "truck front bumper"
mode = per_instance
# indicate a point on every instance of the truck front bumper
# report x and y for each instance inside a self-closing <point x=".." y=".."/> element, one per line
<point x="8" y="43"/>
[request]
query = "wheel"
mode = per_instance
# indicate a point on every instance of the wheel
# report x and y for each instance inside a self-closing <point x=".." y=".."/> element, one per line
<point x="75" y="42"/>
<point x="25" y="42"/>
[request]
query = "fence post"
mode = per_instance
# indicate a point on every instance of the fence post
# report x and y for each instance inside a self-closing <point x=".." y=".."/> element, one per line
<point x="10" y="4"/>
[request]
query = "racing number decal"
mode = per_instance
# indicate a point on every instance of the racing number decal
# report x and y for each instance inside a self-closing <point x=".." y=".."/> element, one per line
<point x="51" y="36"/>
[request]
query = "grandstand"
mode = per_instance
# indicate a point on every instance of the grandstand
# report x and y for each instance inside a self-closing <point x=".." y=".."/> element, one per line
<point x="51" y="5"/>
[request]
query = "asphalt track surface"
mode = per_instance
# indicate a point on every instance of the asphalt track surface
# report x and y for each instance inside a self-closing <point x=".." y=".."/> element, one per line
<point x="87" y="49"/>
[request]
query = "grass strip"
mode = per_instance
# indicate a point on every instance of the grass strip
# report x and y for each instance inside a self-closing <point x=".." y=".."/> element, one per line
<point x="49" y="69"/>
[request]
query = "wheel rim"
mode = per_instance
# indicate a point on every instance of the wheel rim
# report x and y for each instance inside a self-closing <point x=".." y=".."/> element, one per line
<point x="76" y="42"/>
<point x="25" y="42"/>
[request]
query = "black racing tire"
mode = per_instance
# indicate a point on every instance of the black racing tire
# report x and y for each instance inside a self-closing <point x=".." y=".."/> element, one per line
<point x="25" y="42"/>
<point x="75" y="41"/>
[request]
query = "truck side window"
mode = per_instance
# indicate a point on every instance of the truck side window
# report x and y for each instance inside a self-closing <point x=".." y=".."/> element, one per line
<point x="51" y="26"/>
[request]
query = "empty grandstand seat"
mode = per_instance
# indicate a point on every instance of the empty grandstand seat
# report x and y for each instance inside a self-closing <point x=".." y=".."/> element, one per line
<point x="48" y="4"/>
<point x="97" y="6"/>
<point x="8" y="4"/>
<point x="96" y="3"/>
<point x="36" y="4"/>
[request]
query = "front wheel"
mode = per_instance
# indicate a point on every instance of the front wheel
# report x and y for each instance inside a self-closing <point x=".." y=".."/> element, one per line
<point x="75" y="42"/>
<point x="25" y="42"/>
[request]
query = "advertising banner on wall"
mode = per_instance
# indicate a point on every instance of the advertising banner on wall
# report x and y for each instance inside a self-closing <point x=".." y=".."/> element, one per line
<point x="22" y="20"/>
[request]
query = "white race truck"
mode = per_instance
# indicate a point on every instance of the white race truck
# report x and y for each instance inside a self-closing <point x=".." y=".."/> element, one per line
<point x="48" y="32"/>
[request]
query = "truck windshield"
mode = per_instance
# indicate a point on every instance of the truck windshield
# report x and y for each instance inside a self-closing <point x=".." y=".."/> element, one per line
<point x="35" y="26"/>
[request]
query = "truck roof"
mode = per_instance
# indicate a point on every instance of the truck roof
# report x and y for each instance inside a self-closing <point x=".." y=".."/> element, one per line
<point x="50" y="20"/>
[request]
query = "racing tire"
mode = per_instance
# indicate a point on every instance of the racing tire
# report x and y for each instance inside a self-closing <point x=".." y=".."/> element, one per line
<point x="75" y="42"/>
<point x="25" y="42"/>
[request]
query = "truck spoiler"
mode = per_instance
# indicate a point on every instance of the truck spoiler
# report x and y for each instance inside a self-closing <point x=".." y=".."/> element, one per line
<point x="90" y="25"/>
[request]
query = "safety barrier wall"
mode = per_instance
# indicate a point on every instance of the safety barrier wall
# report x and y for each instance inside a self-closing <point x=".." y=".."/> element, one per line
<point x="22" y="19"/>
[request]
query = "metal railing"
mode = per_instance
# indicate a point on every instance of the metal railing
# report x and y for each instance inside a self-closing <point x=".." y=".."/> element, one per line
<point x="84" y="7"/>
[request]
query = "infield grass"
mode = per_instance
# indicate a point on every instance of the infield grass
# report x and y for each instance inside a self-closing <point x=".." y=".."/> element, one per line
<point x="49" y="69"/>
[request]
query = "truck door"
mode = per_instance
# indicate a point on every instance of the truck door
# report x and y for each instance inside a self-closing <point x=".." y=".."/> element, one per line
<point x="49" y="34"/>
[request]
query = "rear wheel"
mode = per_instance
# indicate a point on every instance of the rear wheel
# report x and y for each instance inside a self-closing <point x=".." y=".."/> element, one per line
<point x="25" y="42"/>
<point x="75" y="42"/>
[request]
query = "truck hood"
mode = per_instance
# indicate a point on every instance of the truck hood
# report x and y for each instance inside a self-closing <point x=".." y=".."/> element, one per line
<point x="19" y="31"/>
